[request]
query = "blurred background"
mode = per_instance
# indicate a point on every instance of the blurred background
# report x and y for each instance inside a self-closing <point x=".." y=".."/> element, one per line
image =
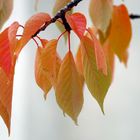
<point x="33" y="118"/>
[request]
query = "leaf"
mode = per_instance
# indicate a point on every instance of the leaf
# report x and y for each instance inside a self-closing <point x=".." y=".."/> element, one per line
<point x="120" y="32"/>
<point x="12" y="31"/>
<point x="47" y="66"/>
<point x="8" y="60"/>
<point x="69" y="94"/>
<point x="7" y="44"/>
<point x="79" y="66"/>
<point x="101" y="13"/>
<point x="40" y="74"/>
<point x="5" y="54"/>
<point x="99" y="53"/>
<point x="77" y="22"/>
<point x="97" y="83"/>
<point x="110" y="57"/>
<point x="32" y="26"/>
<point x="6" y="7"/>
<point x="6" y="88"/>
<point x="60" y="4"/>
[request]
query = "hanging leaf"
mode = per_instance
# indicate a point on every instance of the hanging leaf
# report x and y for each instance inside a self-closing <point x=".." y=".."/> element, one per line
<point x="97" y="82"/>
<point x="40" y="74"/>
<point x="32" y="26"/>
<point x="47" y="66"/>
<point x="79" y="65"/>
<point x="69" y="94"/>
<point x="77" y="22"/>
<point x="120" y="32"/>
<point x="6" y="7"/>
<point x="99" y="53"/>
<point x="6" y="89"/>
<point x="5" y="53"/>
<point x="110" y="56"/>
<point x="8" y="59"/>
<point x="101" y="13"/>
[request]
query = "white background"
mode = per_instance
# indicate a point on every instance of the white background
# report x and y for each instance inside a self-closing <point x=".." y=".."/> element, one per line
<point x="36" y="119"/>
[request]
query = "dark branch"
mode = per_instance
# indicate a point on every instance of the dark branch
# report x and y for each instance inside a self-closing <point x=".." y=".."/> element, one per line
<point x="134" y="16"/>
<point x="61" y="15"/>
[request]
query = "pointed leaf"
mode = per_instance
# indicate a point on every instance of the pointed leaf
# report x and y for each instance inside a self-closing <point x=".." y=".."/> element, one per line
<point x="110" y="57"/>
<point x="79" y="66"/>
<point x="40" y="74"/>
<point x="97" y="83"/>
<point x="101" y="13"/>
<point x="69" y="95"/>
<point x="32" y="26"/>
<point x="99" y="53"/>
<point x="120" y="32"/>
<point x="77" y="22"/>
<point x="47" y="66"/>
<point x="6" y="88"/>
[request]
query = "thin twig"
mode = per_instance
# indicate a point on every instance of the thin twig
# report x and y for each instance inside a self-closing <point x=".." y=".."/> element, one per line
<point x="134" y="16"/>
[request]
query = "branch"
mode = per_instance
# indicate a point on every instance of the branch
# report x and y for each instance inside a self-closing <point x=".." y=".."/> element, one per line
<point x="134" y="16"/>
<point x="61" y="15"/>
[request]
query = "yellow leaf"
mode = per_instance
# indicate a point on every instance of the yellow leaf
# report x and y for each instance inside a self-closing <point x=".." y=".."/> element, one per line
<point x="60" y="4"/>
<point x="120" y="32"/>
<point x="6" y="7"/>
<point x="79" y="65"/>
<point x="97" y="83"/>
<point x="101" y="12"/>
<point x="69" y="94"/>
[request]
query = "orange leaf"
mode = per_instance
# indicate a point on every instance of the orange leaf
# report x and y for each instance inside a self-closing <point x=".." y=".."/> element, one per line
<point x="32" y="26"/>
<point x="110" y="56"/>
<point x="101" y="13"/>
<point x="97" y="83"/>
<point x="120" y="32"/>
<point x="79" y="65"/>
<point x="77" y="22"/>
<point x="47" y="66"/>
<point x="69" y="95"/>
<point x="6" y="88"/>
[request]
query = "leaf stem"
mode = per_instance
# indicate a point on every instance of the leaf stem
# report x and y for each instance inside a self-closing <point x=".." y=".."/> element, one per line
<point x="61" y="35"/>
<point x="69" y="46"/>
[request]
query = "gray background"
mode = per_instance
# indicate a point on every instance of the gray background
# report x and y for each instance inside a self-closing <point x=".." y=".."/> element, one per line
<point x="36" y="119"/>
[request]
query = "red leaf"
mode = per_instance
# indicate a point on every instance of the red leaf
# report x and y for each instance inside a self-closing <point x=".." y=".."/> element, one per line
<point x="7" y="44"/>
<point x="5" y="54"/>
<point x="77" y="22"/>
